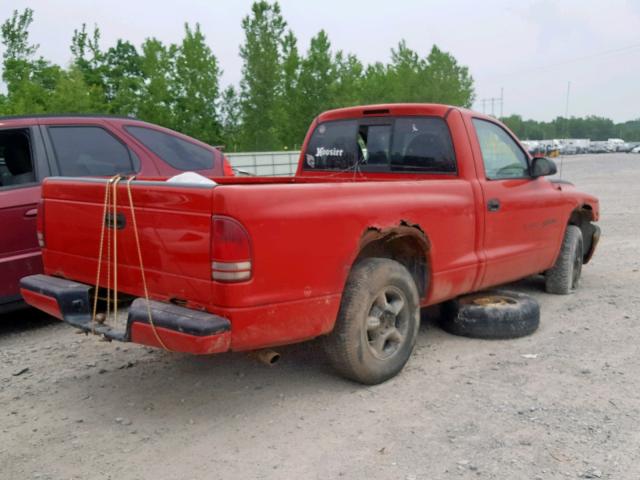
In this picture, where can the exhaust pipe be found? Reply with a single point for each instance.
(268, 357)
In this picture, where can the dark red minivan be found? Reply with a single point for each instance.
(32, 148)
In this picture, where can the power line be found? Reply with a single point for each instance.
(493, 101)
(604, 53)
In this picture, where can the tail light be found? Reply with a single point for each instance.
(40, 224)
(230, 251)
(226, 168)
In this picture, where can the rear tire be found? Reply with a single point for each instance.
(564, 276)
(377, 324)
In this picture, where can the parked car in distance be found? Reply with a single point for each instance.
(598, 147)
(393, 207)
(35, 147)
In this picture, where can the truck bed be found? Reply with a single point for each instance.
(174, 223)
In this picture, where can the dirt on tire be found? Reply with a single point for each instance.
(348, 347)
(561, 279)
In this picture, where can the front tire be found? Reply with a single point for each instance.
(377, 324)
(564, 276)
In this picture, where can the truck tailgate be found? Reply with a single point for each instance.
(174, 226)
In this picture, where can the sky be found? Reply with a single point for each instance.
(528, 49)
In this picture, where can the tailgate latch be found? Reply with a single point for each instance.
(120, 221)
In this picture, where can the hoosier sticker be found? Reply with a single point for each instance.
(329, 152)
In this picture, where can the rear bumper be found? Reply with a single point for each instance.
(180, 329)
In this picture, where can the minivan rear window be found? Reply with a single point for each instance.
(179, 153)
(383, 144)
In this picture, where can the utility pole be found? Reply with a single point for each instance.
(493, 100)
(566, 108)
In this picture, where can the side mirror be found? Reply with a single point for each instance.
(542, 167)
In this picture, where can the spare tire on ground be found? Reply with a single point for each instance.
(493, 314)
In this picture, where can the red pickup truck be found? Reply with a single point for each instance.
(393, 207)
(35, 147)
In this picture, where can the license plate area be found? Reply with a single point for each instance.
(110, 321)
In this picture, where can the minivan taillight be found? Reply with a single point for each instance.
(227, 168)
(230, 250)
(40, 224)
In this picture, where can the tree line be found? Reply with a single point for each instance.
(177, 85)
(592, 127)
(282, 88)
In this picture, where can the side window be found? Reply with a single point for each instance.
(16, 161)
(178, 153)
(89, 151)
(501, 155)
(422, 144)
(332, 146)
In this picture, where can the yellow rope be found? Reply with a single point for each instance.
(110, 205)
(109, 225)
(114, 218)
(100, 250)
(144, 280)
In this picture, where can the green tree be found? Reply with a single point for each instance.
(122, 77)
(195, 88)
(375, 84)
(30, 81)
(87, 56)
(115, 74)
(316, 80)
(290, 119)
(592, 127)
(230, 118)
(73, 95)
(18, 51)
(260, 94)
(448, 81)
(515, 124)
(156, 97)
(348, 74)
(406, 76)
(630, 130)
(438, 78)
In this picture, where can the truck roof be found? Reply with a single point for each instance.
(391, 109)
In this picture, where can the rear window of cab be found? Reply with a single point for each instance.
(382, 144)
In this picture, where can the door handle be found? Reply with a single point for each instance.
(31, 213)
(493, 205)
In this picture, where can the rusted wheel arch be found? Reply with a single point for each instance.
(405, 243)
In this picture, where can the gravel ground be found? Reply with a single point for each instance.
(563, 403)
